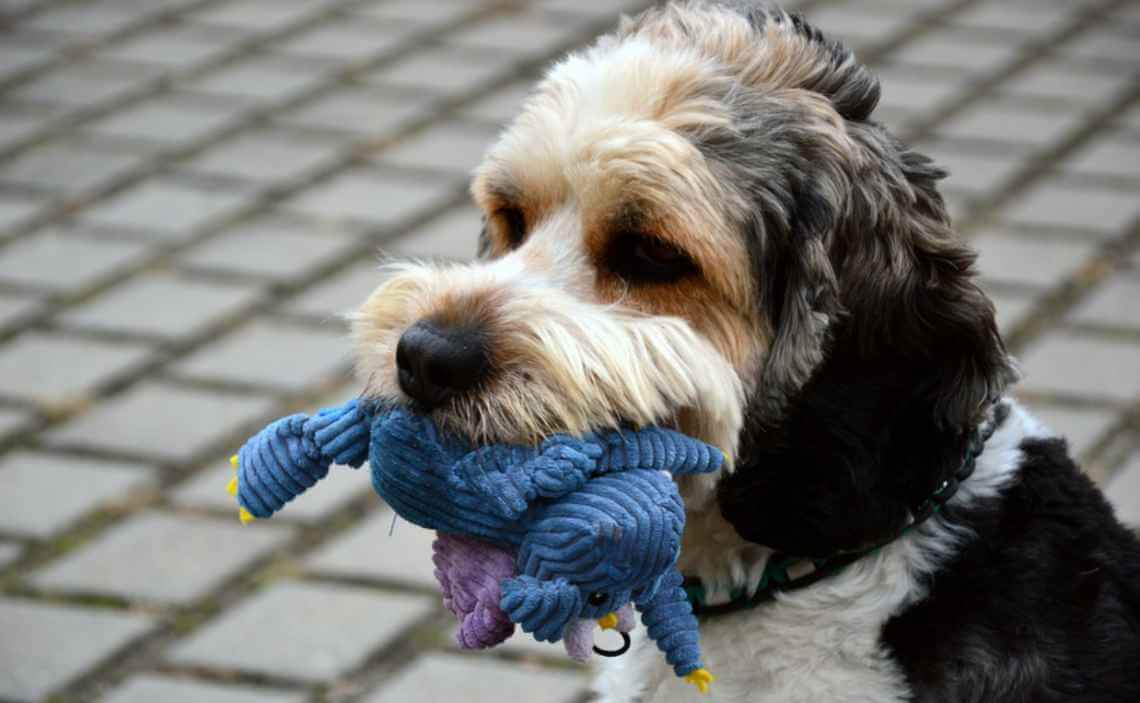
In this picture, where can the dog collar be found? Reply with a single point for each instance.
(785, 573)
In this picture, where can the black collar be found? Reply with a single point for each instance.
(789, 573)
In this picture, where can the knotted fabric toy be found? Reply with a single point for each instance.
(552, 538)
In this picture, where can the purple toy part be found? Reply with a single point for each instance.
(627, 618)
(578, 638)
(469, 572)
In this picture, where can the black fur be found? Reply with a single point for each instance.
(1042, 605)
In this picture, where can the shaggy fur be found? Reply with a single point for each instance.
(697, 222)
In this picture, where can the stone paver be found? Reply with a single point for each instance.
(163, 305)
(159, 420)
(384, 199)
(162, 210)
(183, 187)
(160, 557)
(9, 552)
(273, 249)
(283, 357)
(151, 689)
(55, 261)
(342, 625)
(76, 486)
(1063, 362)
(48, 654)
(378, 549)
(52, 369)
(436, 678)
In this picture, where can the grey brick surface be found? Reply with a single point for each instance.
(1067, 84)
(1014, 17)
(260, 157)
(1112, 157)
(377, 549)
(48, 654)
(15, 58)
(174, 47)
(341, 625)
(1063, 362)
(15, 211)
(344, 40)
(163, 305)
(14, 311)
(339, 295)
(147, 688)
(974, 172)
(163, 210)
(54, 261)
(1055, 205)
(1028, 261)
(451, 147)
(453, 236)
(442, 72)
(52, 369)
(909, 90)
(419, 14)
(284, 357)
(83, 85)
(1010, 309)
(1103, 46)
(278, 250)
(257, 79)
(16, 127)
(1116, 303)
(89, 19)
(162, 558)
(256, 15)
(9, 552)
(68, 167)
(365, 196)
(167, 120)
(1009, 125)
(76, 486)
(1124, 492)
(207, 490)
(958, 51)
(360, 112)
(523, 34)
(162, 421)
(440, 677)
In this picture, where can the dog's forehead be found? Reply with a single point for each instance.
(609, 118)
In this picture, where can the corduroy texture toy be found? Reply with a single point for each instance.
(551, 538)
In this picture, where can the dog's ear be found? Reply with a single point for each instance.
(801, 299)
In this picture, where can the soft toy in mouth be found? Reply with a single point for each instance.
(554, 538)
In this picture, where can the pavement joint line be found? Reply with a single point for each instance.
(81, 47)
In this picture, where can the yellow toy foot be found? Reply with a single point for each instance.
(701, 678)
(234, 461)
(232, 486)
(247, 517)
(609, 622)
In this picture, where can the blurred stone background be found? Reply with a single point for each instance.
(191, 191)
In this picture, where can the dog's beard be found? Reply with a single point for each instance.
(560, 364)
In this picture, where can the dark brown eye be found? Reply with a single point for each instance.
(641, 258)
(509, 225)
(597, 598)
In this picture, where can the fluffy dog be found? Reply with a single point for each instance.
(697, 222)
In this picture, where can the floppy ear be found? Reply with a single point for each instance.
(542, 608)
(801, 297)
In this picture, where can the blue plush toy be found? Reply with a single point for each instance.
(551, 538)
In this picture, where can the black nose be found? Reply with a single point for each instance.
(436, 362)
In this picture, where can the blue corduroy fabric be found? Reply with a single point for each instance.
(597, 520)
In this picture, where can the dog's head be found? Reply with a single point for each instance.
(695, 222)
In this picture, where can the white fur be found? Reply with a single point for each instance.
(820, 643)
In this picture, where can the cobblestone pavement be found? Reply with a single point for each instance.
(191, 190)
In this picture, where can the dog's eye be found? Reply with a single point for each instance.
(646, 259)
(509, 225)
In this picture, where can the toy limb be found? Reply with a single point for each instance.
(669, 621)
(293, 453)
